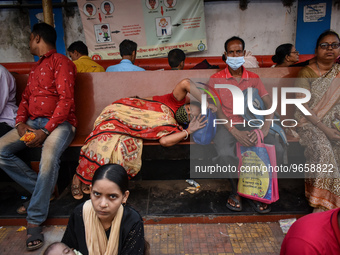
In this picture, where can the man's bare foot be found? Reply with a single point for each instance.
(234, 203)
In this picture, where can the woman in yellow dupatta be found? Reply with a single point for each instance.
(318, 135)
(105, 225)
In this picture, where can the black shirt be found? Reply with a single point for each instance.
(131, 237)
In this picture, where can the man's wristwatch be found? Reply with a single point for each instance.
(45, 131)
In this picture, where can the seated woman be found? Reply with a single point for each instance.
(317, 133)
(285, 55)
(105, 224)
(121, 127)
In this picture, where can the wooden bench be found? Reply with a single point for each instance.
(94, 91)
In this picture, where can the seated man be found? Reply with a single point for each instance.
(227, 135)
(314, 234)
(47, 113)
(79, 54)
(8, 107)
(128, 52)
(121, 127)
(176, 59)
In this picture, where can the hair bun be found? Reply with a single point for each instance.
(274, 58)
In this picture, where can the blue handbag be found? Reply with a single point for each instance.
(206, 134)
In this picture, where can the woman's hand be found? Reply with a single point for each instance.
(197, 123)
(331, 133)
(212, 107)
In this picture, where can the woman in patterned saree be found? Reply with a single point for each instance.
(119, 131)
(318, 134)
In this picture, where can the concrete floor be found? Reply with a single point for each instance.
(174, 239)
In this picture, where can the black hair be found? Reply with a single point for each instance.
(126, 47)
(324, 34)
(175, 57)
(107, 3)
(113, 172)
(78, 46)
(281, 52)
(234, 38)
(89, 5)
(46, 32)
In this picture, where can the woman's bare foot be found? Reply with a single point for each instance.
(85, 188)
(76, 188)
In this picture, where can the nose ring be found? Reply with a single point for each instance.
(106, 205)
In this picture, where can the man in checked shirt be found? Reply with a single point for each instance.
(47, 109)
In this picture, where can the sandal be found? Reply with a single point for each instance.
(75, 188)
(238, 205)
(36, 235)
(85, 188)
(257, 206)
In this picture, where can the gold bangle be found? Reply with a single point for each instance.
(16, 125)
(186, 133)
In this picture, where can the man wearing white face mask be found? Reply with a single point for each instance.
(228, 134)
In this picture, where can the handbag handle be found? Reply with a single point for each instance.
(260, 137)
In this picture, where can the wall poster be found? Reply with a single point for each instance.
(157, 26)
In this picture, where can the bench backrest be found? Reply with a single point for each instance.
(156, 63)
(94, 91)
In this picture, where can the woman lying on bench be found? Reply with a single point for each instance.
(119, 131)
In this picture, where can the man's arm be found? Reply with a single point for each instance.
(267, 100)
(65, 72)
(65, 80)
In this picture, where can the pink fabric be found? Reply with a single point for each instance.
(270, 195)
(316, 233)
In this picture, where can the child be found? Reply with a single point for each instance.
(59, 248)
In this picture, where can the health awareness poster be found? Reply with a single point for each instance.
(157, 26)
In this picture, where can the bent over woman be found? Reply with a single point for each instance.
(119, 131)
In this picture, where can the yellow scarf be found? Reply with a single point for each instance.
(96, 240)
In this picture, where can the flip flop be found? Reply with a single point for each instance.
(256, 205)
(237, 202)
(36, 235)
(76, 189)
(23, 208)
